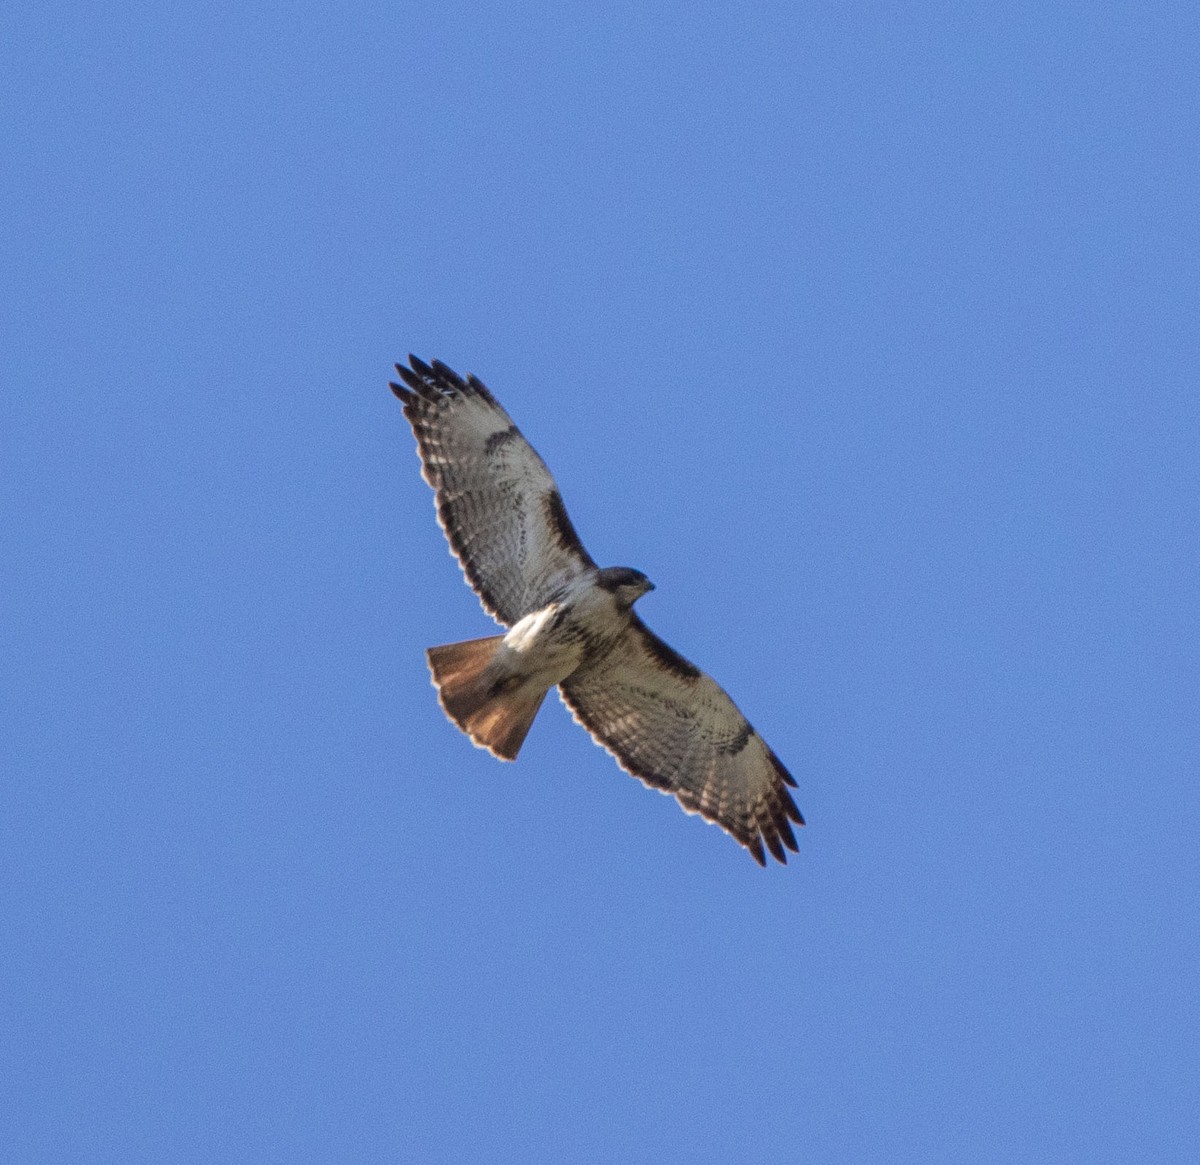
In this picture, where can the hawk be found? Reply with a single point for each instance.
(572, 623)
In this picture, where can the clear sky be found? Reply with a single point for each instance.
(869, 332)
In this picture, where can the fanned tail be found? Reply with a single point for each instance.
(494, 711)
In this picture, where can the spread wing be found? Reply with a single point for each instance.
(675, 729)
(501, 511)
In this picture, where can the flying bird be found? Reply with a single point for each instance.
(572, 623)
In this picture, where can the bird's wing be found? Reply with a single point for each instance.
(676, 729)
(502, 513)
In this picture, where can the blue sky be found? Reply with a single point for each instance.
(868, 332)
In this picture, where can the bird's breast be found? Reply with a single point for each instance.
(555, 640)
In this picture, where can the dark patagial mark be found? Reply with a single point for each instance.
(500, 439)
(666, 656)
(556, 515)
(613, 578)
(739, 742)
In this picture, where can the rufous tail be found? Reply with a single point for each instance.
(494, 711)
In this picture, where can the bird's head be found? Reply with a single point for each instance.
(626, 584)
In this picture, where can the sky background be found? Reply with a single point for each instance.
(869, 332)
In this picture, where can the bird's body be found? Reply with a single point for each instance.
(506, 676)
(572, 624)
(588, 615)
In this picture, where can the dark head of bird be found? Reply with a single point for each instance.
(626, 584)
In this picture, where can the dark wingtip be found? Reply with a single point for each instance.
(421, 380)
(410, 378)
(402, 394)
(447, 373)
(787, 836)
(756, 850)
(437, 381)
(790, 809)
(480, 389)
